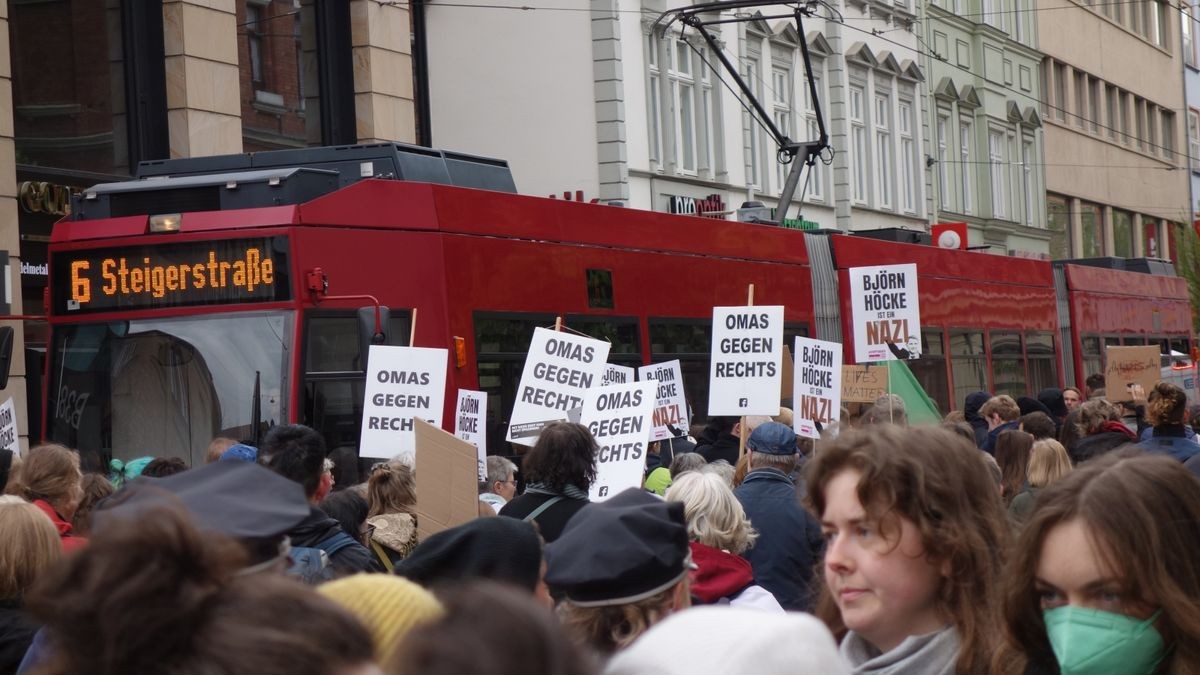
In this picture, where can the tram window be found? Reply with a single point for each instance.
(507, 334)
(1112, 341)
(1008, 366)
(1134, 341)
(968, 364)
(1093, 356)
(930, 369)
(331, 342)
(334, 408)
(621, 333)
(1043, 361)
(1179, 345)
(600, 289)
(690, 341)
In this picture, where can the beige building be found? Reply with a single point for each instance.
(1116, 146)
(90, 87)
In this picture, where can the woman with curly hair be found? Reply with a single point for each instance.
(1166, 411)
(559, 471)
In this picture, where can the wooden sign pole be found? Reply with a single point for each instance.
(412, 330)
(558, 324)
(742, 424)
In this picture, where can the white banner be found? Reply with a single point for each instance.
(817, 386)
(9, 434)
(559, 369)
(619, 416)
(402, 383)
(469, 424)
(670, 405)
(747, 350)
(886, 313)
(614, 374)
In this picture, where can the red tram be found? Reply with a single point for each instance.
(219, 295)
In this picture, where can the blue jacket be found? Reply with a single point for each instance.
(1179, 447)
(989, 445)
(789, 543)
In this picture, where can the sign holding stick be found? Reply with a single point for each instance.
(402, 383)
(614, 374)
(469, 424)
(886, 313)
(620, 418)
(747, 346)
(559, 369)
(818, 386)
(1128, 366)
(670, 405)
(864, 384)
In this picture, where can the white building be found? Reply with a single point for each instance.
(581, 96)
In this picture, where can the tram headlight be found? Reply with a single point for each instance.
(166, 222)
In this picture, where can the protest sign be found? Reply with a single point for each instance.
(469, 424)
(886, 313)
(1128, 366)
(818, 386)
(9, 435)
(670, 405)
(559, 369)
(402, 383)
(864, 384)
(614, 374)
(447, 489)
(747, 347)
(620, 417)
(786, 382)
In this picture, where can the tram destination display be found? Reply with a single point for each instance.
(182, 274)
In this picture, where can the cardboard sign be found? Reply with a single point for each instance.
(864, 384)
(886, 313)
(469, 424)
(817, 399)
(670, 404)
(447, 489)
(614, 374)
(620, 417)
(559, 369)
(747, 348)
(1131, 365)
(9, 434)
(402, 383)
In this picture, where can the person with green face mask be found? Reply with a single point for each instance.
(1104, 579)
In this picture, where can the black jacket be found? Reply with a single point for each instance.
(790, 544)
(551, 521)
(971, 408)
(16, 632)
(1090, 447)
(724, 447)
(318, 527)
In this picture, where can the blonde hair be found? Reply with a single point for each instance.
(714, 515)
(31, 546)
(1048, 461)
(51, 473)
(1002, 405)
(392, 488)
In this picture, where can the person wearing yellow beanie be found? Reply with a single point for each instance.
(389, 607)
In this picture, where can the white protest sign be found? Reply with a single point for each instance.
(559, 369)
(619, 417)
(402, 383)
(817, 386)
(747, 348)
(886, 313)
(469, 424)
(8, 428)
(670, 406)
(614, 374)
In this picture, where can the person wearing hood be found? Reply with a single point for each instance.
(1028, 405)
(298, 453)
(719, 532)
(391, 515)
(971, 414)
(1100, 431)
(1002, 413)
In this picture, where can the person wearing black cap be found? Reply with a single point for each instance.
(620, 566)
(789, 543)
(498, 549)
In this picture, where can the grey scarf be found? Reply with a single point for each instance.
(569, 491)
(932, 654)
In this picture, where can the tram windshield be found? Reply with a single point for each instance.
(166, 387)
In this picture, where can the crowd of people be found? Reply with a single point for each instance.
(1055, 534)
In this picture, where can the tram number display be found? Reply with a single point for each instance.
(171, 275)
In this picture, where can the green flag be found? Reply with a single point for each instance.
(920, 408)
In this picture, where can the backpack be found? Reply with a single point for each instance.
(311, 564)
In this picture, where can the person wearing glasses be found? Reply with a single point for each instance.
(501, 483)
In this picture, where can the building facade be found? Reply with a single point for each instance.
(1116, 153)
(89, 88)
(1189, 15)
(985, 144)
